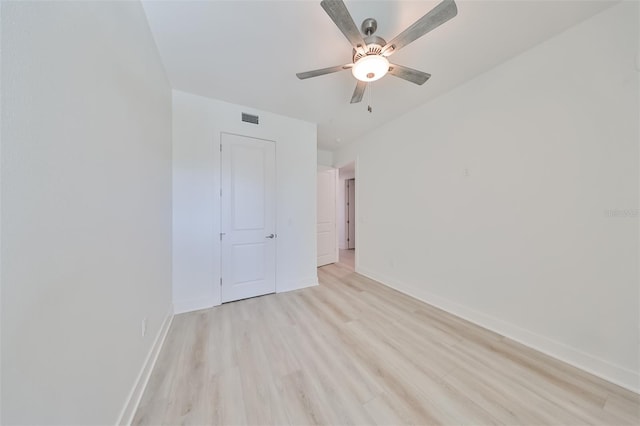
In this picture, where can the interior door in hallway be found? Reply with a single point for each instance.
(248, 217)
(327, 236)
(351, 213)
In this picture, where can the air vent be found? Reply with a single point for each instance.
(248, 118)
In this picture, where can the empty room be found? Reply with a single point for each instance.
(320, 212)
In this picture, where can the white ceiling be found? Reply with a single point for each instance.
(248, 52)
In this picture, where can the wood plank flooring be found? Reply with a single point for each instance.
(354, 352)
(348, 258)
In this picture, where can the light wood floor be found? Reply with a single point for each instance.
(348, 258)
(352, 351)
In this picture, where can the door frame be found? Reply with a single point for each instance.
(356, 175)
(349, 225)
(336, 248)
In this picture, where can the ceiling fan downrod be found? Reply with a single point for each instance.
(369, 26)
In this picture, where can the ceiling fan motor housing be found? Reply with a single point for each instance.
(374, 47)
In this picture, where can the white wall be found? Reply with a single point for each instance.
(495, 200)
(343, 176)
(325, 158)
(86, 208)
(197, 124)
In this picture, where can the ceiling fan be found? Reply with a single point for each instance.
(370, 52)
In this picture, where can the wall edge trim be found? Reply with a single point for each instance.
(140, 384)
(184, 306)
(299, 284)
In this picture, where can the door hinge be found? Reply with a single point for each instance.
(220, 281)
(221, 192)
(220, 147)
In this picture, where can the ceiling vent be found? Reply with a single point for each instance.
(248, 118)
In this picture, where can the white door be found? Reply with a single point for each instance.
(351, 213)
(248, 220)
(327, 237)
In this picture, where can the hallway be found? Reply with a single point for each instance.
(348, 258)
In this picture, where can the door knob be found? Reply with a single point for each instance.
(271, 236)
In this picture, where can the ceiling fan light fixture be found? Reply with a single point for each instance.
(370, 68)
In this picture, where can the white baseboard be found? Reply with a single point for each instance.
(621, 376)
(291, 285)
(183, 306)
(133, 400)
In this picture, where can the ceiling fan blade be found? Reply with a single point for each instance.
(359, 92)
(414, 76)
(433, 19)
(323, 71)
(340, 16)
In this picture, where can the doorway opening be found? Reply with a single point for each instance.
(327, 238)
(346, 206)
